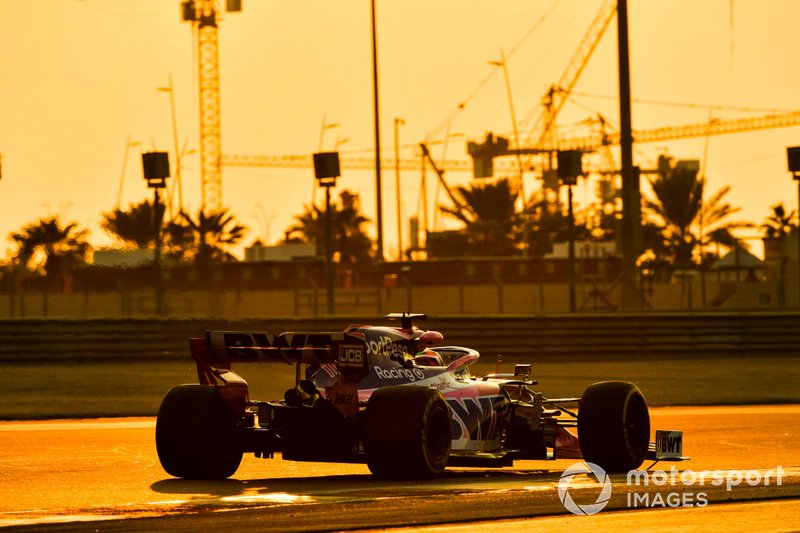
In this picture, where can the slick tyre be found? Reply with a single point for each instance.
(196, 435)
(407, 432)
(614, 426)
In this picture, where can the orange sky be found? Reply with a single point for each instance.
(80, 76)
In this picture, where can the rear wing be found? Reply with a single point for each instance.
(219, 349)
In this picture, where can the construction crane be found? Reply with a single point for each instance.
(349, 163)
(426, 153)
(589, 143)
(672, 133)
(204, 17)
(592, 143)
(542, 131)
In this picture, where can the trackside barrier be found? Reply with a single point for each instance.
(596, 335)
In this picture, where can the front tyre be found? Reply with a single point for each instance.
(407, 432)
(614, 426)
(196, 435)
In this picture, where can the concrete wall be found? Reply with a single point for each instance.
(444, 299)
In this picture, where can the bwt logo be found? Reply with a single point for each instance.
(670, 444)
(351, 355)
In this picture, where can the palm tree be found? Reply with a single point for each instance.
(134, 227)
(350, 243)
(489, 216)
(205, 238)
(51, 247)
(46, 245)
(682, 222)
(779, 223)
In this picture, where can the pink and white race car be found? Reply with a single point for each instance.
(395, 399)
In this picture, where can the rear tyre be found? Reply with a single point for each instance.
(614, 426)
(407, 432)
(196, 435)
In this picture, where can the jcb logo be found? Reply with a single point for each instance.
(350, 355)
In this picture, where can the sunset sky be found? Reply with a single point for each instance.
(81, 76)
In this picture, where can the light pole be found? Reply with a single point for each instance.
(156, 171)
(569, 168)
(178, 182)
(630, 230)
(128, 145)
(502, 63)
(322, 130)
(325, 127)
(397, 123)
(376, 107)
(326, 170)
(793, 159)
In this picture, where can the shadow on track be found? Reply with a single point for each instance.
(451, 480)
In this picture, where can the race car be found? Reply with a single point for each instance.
(395, 398)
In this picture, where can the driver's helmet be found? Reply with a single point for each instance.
(428, 357)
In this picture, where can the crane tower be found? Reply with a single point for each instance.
(204, 17)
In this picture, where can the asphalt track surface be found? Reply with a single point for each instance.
(104, 475)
